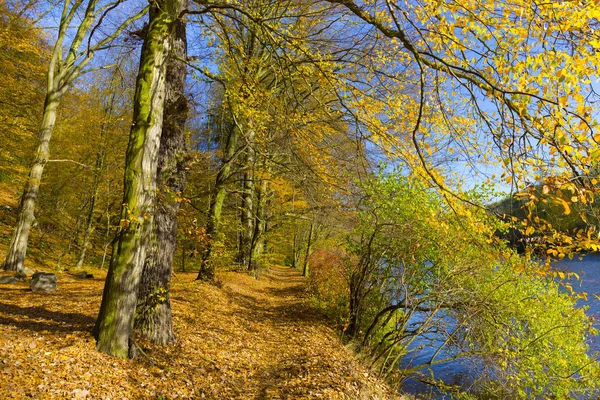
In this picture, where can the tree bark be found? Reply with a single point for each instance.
(114, 326)
(247, 205)
(17, 248)
(207, 269)
(295, 248)
(308, 248)
(154, 304)
(260, 226)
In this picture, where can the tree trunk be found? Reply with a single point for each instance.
(89, 221)
(114, 326)
(207, 269)
(154, 304)
(295, 248)
(247, 204)
(308, 248)
(260, 226)
(354, 313)
(17, 248)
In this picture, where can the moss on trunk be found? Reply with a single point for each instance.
(114, 326)
(153, 313)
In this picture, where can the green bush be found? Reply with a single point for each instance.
(425, 270)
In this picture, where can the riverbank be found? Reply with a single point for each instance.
(250, 339)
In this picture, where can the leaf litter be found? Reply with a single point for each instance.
(248, 339)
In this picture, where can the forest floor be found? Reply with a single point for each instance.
(247, 339)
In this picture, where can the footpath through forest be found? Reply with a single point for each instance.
(248, 339)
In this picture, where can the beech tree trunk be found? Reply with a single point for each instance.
(154, 304)
(309, 244)
(114, 326)
(17, 248)
(207, 269)
(260, 226)
(295, 249)
(247, 205)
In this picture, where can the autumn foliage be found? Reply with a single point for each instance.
(388, 151)
(328, 283)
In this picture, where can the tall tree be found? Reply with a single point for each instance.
(114, 326)
(229, 134)
(62, 72)
(153, 313)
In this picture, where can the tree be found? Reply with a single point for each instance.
(277, 105)
(110, 113)
(509, 85)
(416, 276)
(228, 133)
(114, 326)
(153, 312)
(62, 72)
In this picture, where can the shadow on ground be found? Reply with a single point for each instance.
(40, 319)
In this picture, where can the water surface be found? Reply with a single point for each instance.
(461, 372)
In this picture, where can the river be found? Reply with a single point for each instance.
(588, 268)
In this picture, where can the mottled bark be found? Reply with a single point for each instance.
(114, 326)
(17, 248)
(207, 269)
(153, 313)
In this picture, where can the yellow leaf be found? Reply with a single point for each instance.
(566, 206)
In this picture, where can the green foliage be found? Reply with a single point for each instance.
(426, 271)
(159, 295)
(526, 329)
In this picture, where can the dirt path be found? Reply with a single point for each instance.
(249, 339)
(282, 347)
(299, 354)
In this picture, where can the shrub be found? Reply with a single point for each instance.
(328, 284)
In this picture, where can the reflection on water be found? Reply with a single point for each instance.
(589, 270)
(461, 372)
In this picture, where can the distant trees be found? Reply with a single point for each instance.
(275, 113)
(24, 58)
